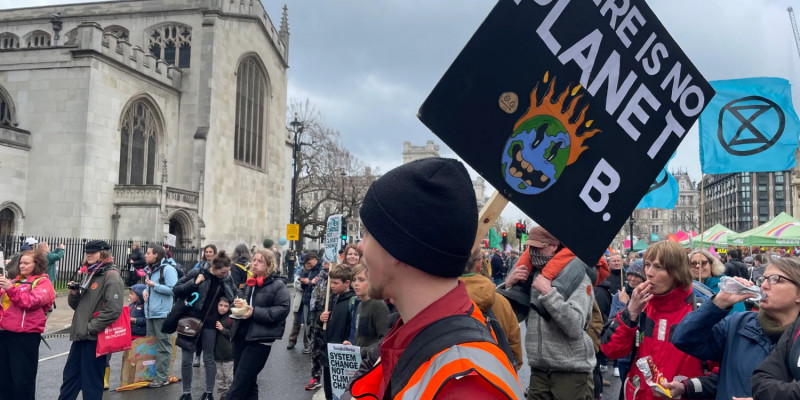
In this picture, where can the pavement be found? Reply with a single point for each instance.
(61, 318)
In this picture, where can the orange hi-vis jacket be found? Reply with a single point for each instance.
(450, 348)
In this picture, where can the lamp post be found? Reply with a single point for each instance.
(297, 128)
(631, 220)
(344, 174)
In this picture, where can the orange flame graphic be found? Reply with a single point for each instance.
(553, 107)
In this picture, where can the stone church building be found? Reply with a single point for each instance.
(136, 118)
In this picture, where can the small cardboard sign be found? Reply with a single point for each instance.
(569, 108)
(333, 238)
(343, 361)
(139, 363)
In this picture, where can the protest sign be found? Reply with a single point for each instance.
(343, 361)
(139, 363)
(570, 109)
(333, 238)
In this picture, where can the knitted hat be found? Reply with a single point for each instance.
(424, 214)
(637, 268)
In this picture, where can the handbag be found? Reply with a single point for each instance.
(192, 326)
(140, 273)
(189, 326)
(117, 336)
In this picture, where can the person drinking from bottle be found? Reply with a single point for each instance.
(739, 341)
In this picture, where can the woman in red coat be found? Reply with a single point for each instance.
(654, 309)
(25, 301)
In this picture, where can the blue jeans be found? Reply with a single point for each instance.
(83, 372)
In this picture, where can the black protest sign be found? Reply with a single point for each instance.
(570, 108)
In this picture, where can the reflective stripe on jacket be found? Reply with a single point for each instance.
(484, 359)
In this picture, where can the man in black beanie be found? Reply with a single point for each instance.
(420, 222)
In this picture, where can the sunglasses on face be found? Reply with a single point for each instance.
(773, 279)
(696, 263)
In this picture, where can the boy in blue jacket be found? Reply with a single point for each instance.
(138, 321)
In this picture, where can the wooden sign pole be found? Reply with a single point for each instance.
(488, 215)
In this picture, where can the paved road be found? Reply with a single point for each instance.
(284, 376)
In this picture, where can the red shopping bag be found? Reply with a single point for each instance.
(117, 336)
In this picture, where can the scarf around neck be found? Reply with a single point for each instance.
(770, 326)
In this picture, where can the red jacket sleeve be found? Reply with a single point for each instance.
(42, 296)
(618, 339)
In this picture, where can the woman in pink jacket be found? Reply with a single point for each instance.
(25, 301)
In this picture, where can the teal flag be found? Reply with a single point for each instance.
(494, 240)
(654, 237)
(749, 126)
(663, 193)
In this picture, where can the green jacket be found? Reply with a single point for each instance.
(104, 295)
(54, 256)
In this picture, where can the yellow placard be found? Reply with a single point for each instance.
(292, 232)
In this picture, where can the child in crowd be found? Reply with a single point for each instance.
(369, 317)
(223, 350)
(317, 335)
(138, 322)
(337, 319)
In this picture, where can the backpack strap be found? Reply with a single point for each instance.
(438, 336)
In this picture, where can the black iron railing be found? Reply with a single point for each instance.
(68, 266)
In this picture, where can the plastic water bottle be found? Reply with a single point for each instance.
(730, 285)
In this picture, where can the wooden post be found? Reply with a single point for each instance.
(702, 210)
(327, 296)
(488, 215)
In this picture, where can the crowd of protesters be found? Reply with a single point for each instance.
(669, 321)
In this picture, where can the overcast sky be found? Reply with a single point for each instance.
(368, 65)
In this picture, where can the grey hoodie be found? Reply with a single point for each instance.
(561, 344)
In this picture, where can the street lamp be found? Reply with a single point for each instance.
(344, 174)
(297, 129)
(631, 220)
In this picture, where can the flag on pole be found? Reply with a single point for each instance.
(663, 193)
(749, 126)
(524, 238)
(494, 240)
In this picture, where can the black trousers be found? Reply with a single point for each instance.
(83, 372)
(326, 382)
(249, 359)
(19, 362)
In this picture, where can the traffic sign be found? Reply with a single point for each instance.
(292, 232)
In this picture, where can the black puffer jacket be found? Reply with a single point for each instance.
(777, 377)
(271, 303)
(183, 292)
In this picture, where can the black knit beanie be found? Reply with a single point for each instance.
(424, 214)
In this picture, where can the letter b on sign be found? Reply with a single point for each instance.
(603, 181)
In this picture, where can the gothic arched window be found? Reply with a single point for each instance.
(9, 41)
(137, 152)
(171, 43)
(251, 108)
(118, 31)
(5, 109)
(38, 39)
(6, 222)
